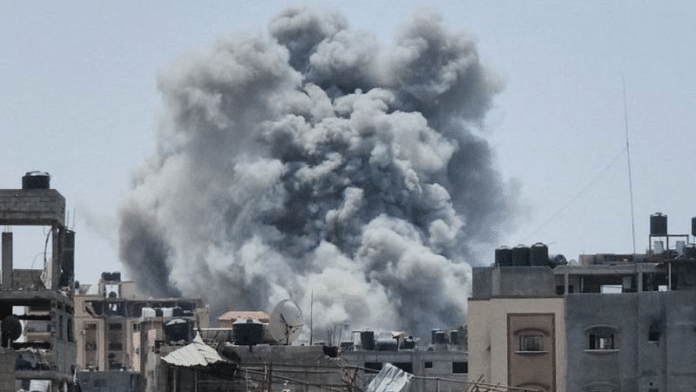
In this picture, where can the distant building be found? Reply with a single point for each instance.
(36, 305)
(122, 335)
(612, 323)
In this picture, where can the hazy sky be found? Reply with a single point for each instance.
(79, 100)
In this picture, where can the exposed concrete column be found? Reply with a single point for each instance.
(7, 261)
(57, 239)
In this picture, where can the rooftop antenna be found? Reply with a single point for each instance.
(628, 157)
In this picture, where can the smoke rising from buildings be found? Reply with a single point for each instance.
(318, 160)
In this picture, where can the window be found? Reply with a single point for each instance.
(460, 367)
(405, 366)
(601, 341)
(602, 337)
(373, 367)
(530, 342)
(428, 365)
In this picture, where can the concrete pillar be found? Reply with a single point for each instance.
(6, 261)
(57, 255)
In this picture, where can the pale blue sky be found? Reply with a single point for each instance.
(79, 100)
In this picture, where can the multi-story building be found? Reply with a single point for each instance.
(121, 334)
(36, 304)
(611, 323)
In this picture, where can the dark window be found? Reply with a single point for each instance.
(601, 341)
(115, 346)
(560, 288)
(373, 367)
(428, 365)
(115, 326)
(405, 366)
(530, 343)
(460, 367)
(653, 336)
(71, 334)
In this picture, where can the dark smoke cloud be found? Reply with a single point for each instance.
(316, 160)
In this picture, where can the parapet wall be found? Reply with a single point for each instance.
(31, 207)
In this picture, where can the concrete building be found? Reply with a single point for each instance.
(36, 304)
(121, 335)
(612, 323)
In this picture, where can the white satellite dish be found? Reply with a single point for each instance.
(286, 322)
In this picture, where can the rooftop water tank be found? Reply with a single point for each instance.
(539, 254)
(438, 336)
(367, 340)
(658, 225)
(503, 257)
(693, 226)
(690, 251)
(386, 344)
(36, 180)
(247, 332)
(520, 256)
(176, 330)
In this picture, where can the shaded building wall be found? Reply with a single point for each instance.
(7, 370)
(654, 341)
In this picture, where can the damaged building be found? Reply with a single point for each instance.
(612, 322)
(36, 304)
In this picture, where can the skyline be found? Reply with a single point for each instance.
(81, 102)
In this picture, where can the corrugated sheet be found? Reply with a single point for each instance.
(390, 379)
(195, 354)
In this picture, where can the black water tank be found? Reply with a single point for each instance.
(690, 251)
(539, 254)
(36, 180)
(454, 337)
(693, 226)
(520, 256)
(367, 340)
(247, 332)
(176, 330)
(658, 225)
(410, 343)
(503, 257)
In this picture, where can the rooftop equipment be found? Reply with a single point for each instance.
(36, 180)
(658, 225)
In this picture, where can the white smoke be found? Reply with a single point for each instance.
(316, 160)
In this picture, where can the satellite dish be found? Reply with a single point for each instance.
(286, 322)
(11, 328)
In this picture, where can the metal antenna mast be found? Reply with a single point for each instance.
(628, 157)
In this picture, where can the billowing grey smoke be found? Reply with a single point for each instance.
(318, 161)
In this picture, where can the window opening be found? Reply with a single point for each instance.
(530, 343)
(601, 341)
(460, 367)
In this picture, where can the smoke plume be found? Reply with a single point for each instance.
(317, 161)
